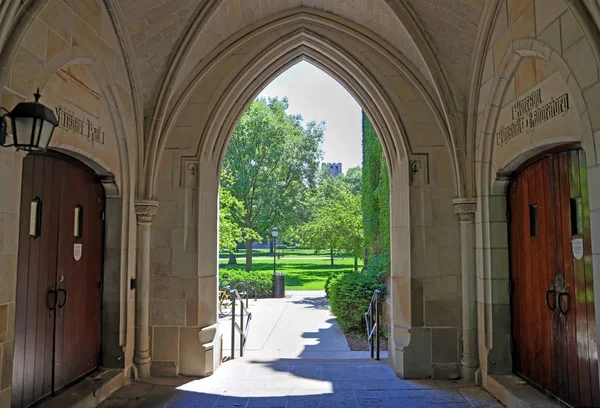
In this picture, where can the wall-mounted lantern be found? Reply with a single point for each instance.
(32, 125)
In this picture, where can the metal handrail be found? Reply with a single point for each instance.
(241, 329)
(255, 287)
(373, 329)
(244, 287)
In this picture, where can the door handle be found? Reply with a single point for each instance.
(51, 304)
(61, 305)
(560, 295)
(548, 292)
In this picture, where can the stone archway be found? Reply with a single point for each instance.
(408, 120)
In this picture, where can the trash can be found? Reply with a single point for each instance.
(278, 285)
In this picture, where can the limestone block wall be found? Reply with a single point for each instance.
(436, 313)
(10, 183)
(534, 45)
(183, 271)
(57, 34)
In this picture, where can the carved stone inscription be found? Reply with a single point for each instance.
(530, 112)
(69, 121)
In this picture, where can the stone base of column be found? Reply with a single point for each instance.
(143, 362)
(470, 372)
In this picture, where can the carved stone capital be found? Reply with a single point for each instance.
(145, 210)
(465, 208)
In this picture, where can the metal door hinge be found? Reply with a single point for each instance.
(103, 215)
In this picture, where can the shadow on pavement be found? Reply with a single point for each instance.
(319, 303)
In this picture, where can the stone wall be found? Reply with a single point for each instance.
(10, 183)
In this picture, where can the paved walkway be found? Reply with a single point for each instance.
(294, 384)
(297, 326)
(297, 356)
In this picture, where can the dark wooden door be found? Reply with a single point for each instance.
(58, 313)
(553, 315)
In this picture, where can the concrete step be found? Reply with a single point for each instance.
(308, 361)
(89, 392)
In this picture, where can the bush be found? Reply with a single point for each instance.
(330, 277)
(264, 281)
(349, 297)
(379, 267)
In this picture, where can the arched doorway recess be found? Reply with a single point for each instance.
(567, 123)
(408, 120)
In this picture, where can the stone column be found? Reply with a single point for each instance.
(144, 210)
(465, 209)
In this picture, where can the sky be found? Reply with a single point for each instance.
(317, 96)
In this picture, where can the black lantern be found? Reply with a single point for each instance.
(274, 232)
(32, 125)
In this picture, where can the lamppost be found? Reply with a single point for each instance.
(32, 125)
(274, 233)
(278, 278)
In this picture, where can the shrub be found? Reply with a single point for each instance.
(264, 281)
(349, 297)
(379, 266)
(330, 277)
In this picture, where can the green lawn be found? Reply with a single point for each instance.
(303, 269)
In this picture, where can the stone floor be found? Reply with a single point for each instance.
(297, 356)
(298, 383)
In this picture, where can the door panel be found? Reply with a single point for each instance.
(51, 349)
(34, 326)
(78, 339)
(553, 315)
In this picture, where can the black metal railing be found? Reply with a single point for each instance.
(372, 318)
(255, 284)
(241, 329)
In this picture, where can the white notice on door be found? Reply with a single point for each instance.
(77, 250)
(577, 248)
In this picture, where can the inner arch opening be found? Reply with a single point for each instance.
(293, 167)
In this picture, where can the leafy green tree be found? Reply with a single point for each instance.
(336, 220)
(353, 177)
(273, 160)
(230, 208)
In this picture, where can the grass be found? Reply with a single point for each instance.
(302, 268)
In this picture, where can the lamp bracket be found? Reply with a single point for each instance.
(3, 127)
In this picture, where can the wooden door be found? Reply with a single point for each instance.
(78, 317)
(57, 325)
(553, 316)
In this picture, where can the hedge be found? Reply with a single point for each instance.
(264, 280)
(349, 297)
(330, 277)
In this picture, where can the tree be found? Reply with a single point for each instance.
(230, 208)
(336, 221)
(273, 160)
(230, 233)
(353, 177)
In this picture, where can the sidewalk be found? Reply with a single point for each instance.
(297, 326)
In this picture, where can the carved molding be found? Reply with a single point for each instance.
(145, 210)
(465, 208)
